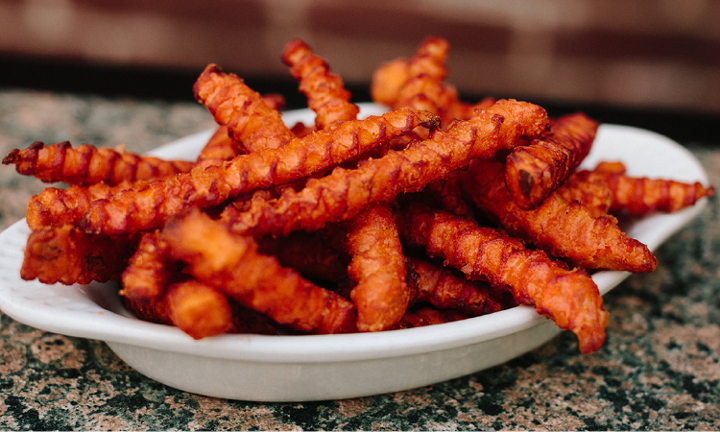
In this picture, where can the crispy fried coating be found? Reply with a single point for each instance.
(381, 295)
(232, 264)
(443, 289)
(87, 164)
(307, 254)
(249, 119)
(344, 193)
(562, 228)
(150, 206)
(325, 91)
(198, 309)
(149, 269)
(640, 196)
(219, 148)
(569, 297)
(448, 192)
(69, 256)
(57, 207)
(533, 172)
(589, 189)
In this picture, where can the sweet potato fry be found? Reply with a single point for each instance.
(427, 315)
(327, 96)
(561, 228)
(198, 309)
(344, 193)
(589, 189)
(443, 289)
(87, 165)
(381, 295)
(69, 256)
(232, 264)
(150, 206)
(307, 254)
(219, 148)
(249, 119)
(149, 269)
(640, 196)
(533, 172)
(58, 207)
(569, 297)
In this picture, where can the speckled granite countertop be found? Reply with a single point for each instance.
(658, 370)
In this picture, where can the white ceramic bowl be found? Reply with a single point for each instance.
(319, 367)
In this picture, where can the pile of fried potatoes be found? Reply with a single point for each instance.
(436, 211)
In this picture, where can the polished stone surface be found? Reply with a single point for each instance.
(658, 370)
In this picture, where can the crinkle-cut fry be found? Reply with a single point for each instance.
(640, 196)
(589, 189)
(534, 171)
(344, 193)
(443, 289)
(561, 228)
(325, 91)
(198, 309)
(381, 295)
(150, 206)
(448, 192)
(274, 101)
(219, 148)
(569, 297)
(427, 315)
(232, 264)
(57, 207)
(87, 164)
(69, 256)
(149, 269)
(249, 119)
(307, 254)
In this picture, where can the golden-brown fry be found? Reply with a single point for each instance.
(589, 189)
(58, 207)
(327, 96)
(561, 228)
(533, 172)
(570, 298)
(640, 196)
(69, 256)
(249, 119)
(381, 295)
(443, 289)
(149, 207)
(198, 309)
(149, 269)
(87, 165)
(232, 264)
(344, 193)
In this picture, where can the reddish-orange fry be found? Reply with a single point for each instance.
(381, 295)
(387, 80)
(198, 309)
(149, 269)
(533, 172)
(57, 207)
(69, 256)
(327, 96)
(570, 298)
(344, 193)
(589, 189)
(426, 315)
(150, 206)
(640, 196)
(232, 264)
(443, 289)
(562, 228)
(249, 119)
(87, 165)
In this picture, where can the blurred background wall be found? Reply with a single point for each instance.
(646, 53)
